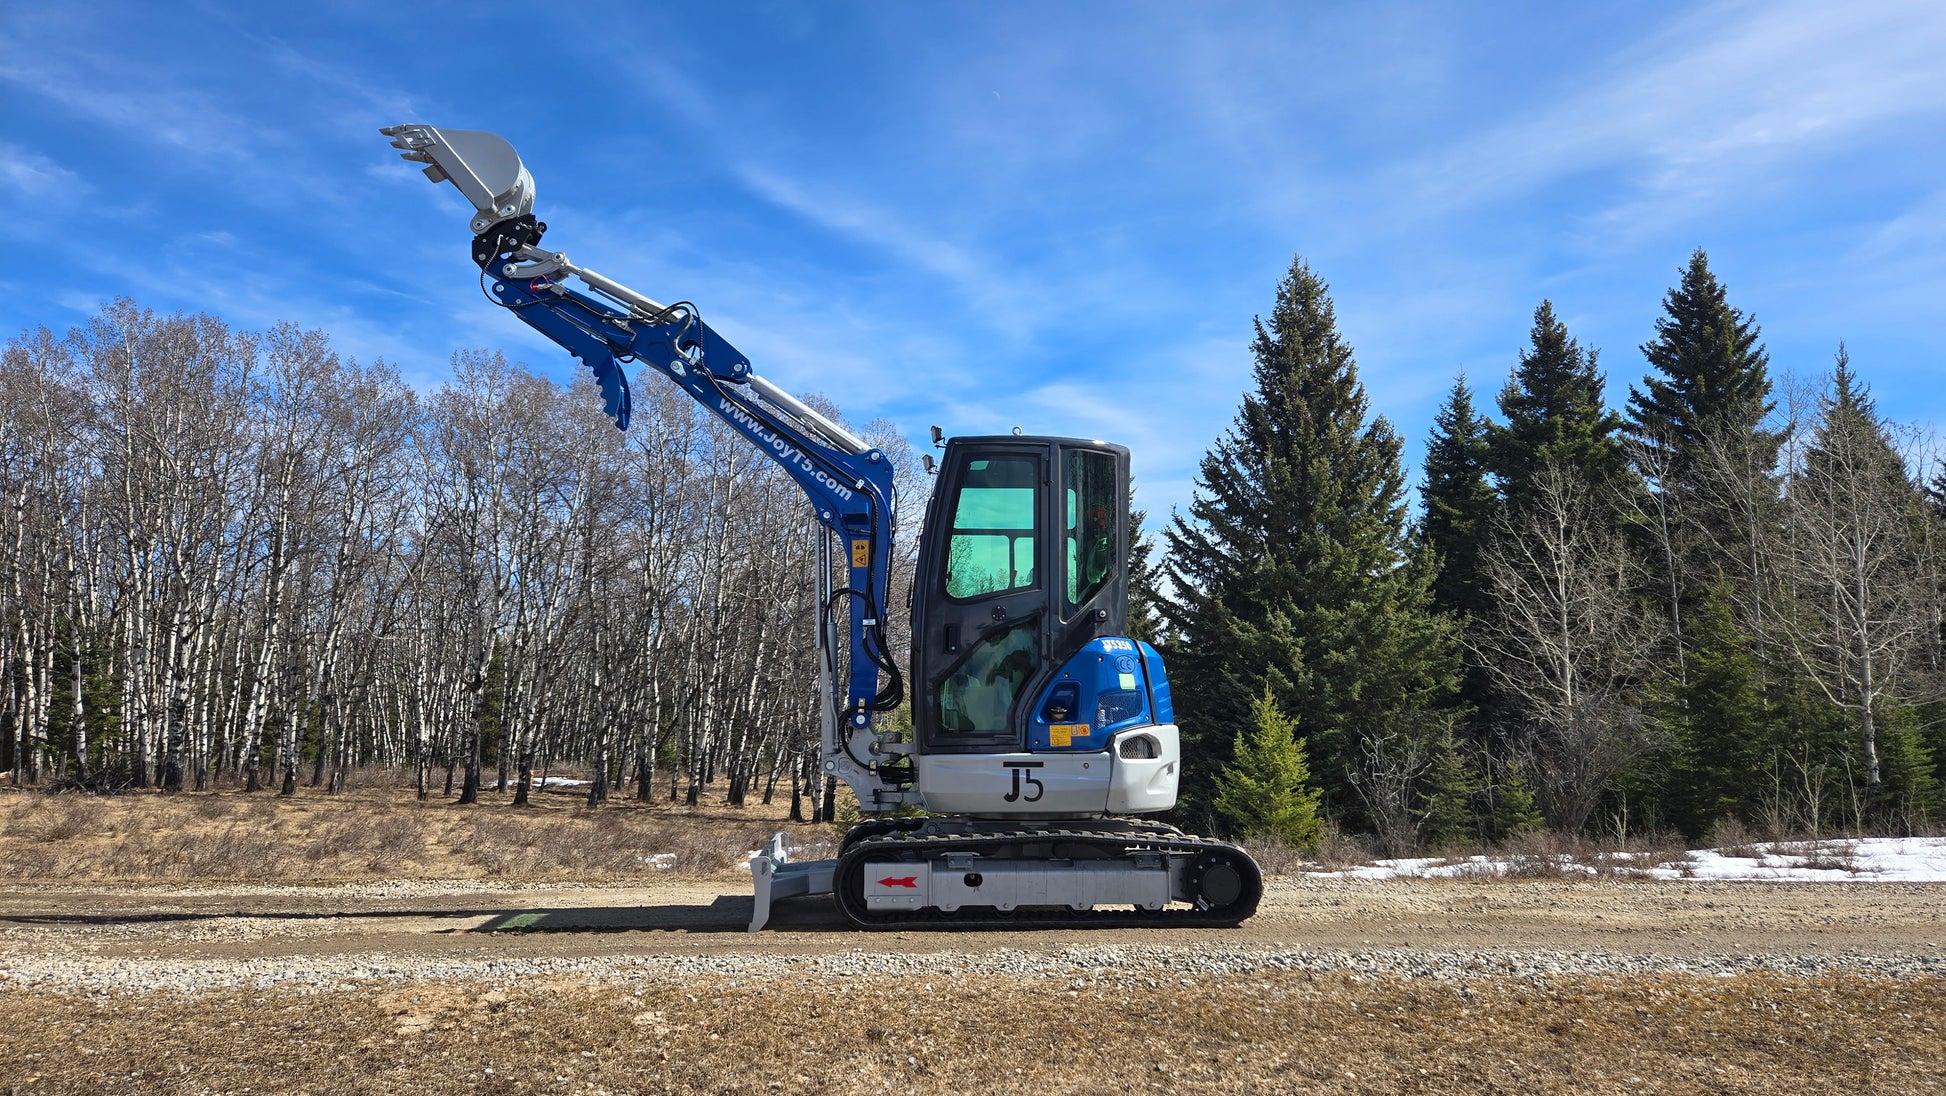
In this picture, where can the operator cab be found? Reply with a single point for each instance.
(1023, 564)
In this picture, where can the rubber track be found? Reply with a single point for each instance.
(849, 889)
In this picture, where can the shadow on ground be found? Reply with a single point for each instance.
(728, 913)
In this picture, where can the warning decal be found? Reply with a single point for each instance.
(1064, 734)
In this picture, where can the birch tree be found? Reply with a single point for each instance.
(1566, 642)
(1861, 607)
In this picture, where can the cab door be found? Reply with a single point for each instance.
(980, 610)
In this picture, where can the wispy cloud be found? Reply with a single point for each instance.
(877, 227)
(1708, 104)
(154, 111)
(32, 175)
(1920, 227)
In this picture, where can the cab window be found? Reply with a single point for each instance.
(979, 697)
(996, 519)
(1091, 508)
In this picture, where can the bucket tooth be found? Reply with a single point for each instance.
(482, 165)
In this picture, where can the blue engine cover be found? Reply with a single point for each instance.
(1110, 685)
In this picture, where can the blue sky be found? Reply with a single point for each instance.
(1060, 217)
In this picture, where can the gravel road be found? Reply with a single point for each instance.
(1457, 987)
(195, 939)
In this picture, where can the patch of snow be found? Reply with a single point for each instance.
(1865, 859)
(558, 782)
(1858, 860)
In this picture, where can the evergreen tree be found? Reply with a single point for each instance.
(1459, 501)
(1555, 416)
(1715, 387)
(1294, 568)
(1451, 787)
(1511, 808)
(1266, 791)
(1144, 593)
(1720, 720)
(1701, 443)
(1911, 797)
(1459, 505)
(1933, 712)
(1559, 440)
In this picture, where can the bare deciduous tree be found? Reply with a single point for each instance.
(1861, 607)
(1567, 642)
(227, 550)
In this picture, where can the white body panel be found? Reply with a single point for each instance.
(1040, 785)
(1006, 884)
(1050, 785)
(1143, 785)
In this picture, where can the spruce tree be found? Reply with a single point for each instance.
(1720, 721)
(1458, 501)
(1294, 568)
(1714, 388)
(1933, 712)
(1144, 594)
(1700, 441)
(1265, 791)
(1555, 416)
(1511, 808)
(1451, 786)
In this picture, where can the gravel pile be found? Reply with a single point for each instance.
(1108, 965)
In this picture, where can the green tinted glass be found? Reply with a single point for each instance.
(994, 527)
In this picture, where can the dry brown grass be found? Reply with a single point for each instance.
(1537, 854)
(1730, 837)
(1528, 855)
(1823, 855)
(375, 831)
(1278, 857)
(1266, 1033)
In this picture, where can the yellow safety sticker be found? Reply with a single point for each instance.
(1064, 734)
(861, 553)
(1128, 681)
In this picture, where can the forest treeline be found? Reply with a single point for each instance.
(240, 558)
(1720, 603)
(237, 556)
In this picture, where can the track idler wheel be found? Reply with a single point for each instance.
(1225, 883)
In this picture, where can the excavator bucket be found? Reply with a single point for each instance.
(483, 166)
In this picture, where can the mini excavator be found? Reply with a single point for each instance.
(1039, 734)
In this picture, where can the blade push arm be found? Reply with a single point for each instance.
(849, 483)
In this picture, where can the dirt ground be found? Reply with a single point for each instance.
(646, 983)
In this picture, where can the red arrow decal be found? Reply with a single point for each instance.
(909, 881)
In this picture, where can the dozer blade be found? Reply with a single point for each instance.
(483, 166)
(773, 874)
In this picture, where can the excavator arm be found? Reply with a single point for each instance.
(848, 481)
